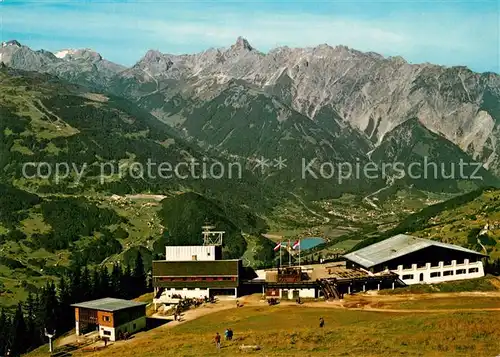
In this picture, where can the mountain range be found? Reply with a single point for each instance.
(334, 104)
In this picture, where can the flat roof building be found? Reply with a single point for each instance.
(195, 279)
(111, 317)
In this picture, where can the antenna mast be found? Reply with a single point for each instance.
(211, 237)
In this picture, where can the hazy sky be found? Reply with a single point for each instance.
(442, 32)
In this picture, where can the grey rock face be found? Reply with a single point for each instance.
(81, 66)
(368, 92)
(11, 43)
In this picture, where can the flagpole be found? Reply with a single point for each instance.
(280, 255)
(289, 253)
(299, 252)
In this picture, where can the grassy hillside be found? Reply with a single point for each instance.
(42, 237)
(110, 145)
(457, 221)
(487, 283)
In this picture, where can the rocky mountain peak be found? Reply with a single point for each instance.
(242, 44)
(154, 56)
(88, 54)
(11, 43)
(155, 62)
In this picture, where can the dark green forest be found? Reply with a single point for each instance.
(185, 214)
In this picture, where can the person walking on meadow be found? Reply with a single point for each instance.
(321, 322)
(217, 340)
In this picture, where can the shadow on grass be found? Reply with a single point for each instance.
(152, 323)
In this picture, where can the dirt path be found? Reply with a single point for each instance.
(198, 312)
(146, 197)
(496, 282)
(426, 296)
(369, 307)
(375, 303)
(272, 236)
(356, 303)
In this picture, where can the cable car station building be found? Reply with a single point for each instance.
(196, 271)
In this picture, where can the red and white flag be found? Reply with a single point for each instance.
(278, 246)
(296, 245)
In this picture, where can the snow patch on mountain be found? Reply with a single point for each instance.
(11, 43)
(64, 53)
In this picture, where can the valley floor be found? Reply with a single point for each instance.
(442, 324)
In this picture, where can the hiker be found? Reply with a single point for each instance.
(321, 322)
(226, 334)
(230, 334)
(217, 340)
(237, 303)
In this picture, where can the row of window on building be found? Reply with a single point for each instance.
(433, 264)
(437, 274)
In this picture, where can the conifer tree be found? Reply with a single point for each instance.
(32, 327)
(75, 286)
(18, 333)
(5, 332)
(128, 283)
(65, 311)
(49, 307)
(104, 283)
(96, 284)
(139, 276)
(85, 285)
(115, 281)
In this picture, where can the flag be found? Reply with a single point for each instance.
(296, 245)
(278, 246)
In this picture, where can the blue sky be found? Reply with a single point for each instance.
(442, 32)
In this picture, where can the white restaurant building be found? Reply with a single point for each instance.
(418, 260)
